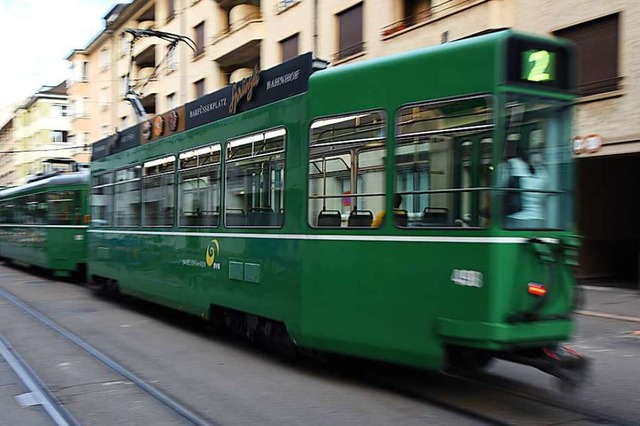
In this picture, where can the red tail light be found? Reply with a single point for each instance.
(87, 219)
(537, 289)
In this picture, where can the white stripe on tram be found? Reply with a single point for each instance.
(350, 237)
(46, 226)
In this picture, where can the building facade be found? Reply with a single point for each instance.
(232, 37)
(40, 129)
(8, 172)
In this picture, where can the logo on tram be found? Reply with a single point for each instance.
(213, 251)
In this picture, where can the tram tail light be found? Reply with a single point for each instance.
(537, 289)
(87, 219)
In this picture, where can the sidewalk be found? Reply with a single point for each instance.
(609, 302)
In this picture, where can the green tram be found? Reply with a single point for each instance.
(261, 206)
(44, 222)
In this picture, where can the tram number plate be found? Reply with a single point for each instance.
(466, 278)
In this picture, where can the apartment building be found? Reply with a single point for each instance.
(8, 172)
(232, 37)
(40, 129)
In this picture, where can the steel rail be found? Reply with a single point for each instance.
(592, 415)
(54, 408)
(174, 405)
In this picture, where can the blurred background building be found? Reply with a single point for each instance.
(234, 36)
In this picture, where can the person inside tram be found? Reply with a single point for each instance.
(379, 218)
(524, 169)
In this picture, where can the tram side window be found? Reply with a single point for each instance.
(347, 169)
(5, 213)
(127, 197)
(102, 199)
(34, 209)
(9, 211)
(199, 187)
(443, 162)
(254, 194)
(64, 208)
(157, 192)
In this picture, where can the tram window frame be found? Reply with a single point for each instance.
(203, 202)
(158, 212)
(457, 193)
(257, 209)
(103, 182)
(324, 203)
(70, 213)
(117, 185)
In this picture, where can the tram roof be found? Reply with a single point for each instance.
(61, 179)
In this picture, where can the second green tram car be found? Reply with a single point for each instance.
(44, 223)
(416, 209)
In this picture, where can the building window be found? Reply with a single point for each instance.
(198, 88)
(102, 99)
(124, 86)
(172, 59)
(598, 53)
(171, 9)
(171, 101)
(124, 45)
(350, 39)
(289, 47)
(59, 136)
(285, 4)
(415, 11)
(123, 122)
(60, 110)
(198, 32)
(104, 59)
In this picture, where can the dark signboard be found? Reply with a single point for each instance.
(208, 108)
(262, 87)
(162, 125)
(120, 141)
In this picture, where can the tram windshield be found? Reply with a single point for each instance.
(535, 173)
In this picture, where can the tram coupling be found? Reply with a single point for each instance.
(563, 362)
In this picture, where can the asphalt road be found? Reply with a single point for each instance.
(614, 351)
(229, 382)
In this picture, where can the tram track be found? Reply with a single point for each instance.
(170, 403)
(475, 398)
(485, 380)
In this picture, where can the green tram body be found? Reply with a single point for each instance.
(43, 223)
(399, 293)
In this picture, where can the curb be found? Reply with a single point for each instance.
(607, 316)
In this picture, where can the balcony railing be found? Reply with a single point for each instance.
(349, 51)
(237, 25)
(406, 22)
(600, 86)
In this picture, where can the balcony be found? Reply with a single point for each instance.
(240, 43)
(407, 22)
(228, 4)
